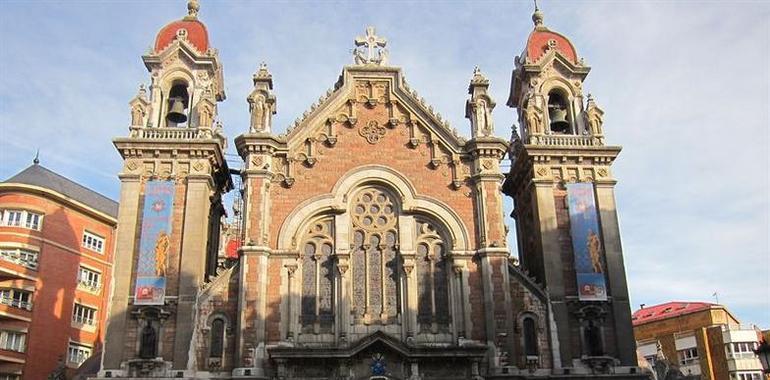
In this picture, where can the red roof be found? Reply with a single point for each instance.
(668, 310)
(197, 34)
(537, 43)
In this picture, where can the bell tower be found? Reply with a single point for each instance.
(174, 174)
(566, 218)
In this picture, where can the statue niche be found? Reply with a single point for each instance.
(148, 342)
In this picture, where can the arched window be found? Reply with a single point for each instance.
(317, 307)
(216, 349)
(558, 113)
(432, 279)
(375, 263)
(529, 335)
(178, 104)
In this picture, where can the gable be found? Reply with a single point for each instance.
(378, 106)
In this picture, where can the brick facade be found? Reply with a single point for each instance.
(53, 285)
(373, 175)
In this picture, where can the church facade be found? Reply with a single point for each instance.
(374, 234)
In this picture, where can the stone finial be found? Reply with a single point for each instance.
(263, 75)
(142, 93)
(478, 77)
(193, 6)
(370, 49)
(478, 109)
(537, 16)
(36, 160)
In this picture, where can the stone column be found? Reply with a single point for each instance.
(192, 264)
(545, 221)
(342, 251)
(407, 236)
(114, 347)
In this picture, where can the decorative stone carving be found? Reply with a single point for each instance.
(372, 132)
(139, 107)
(594, 117)
(533, 116)
(205, 113)
(370, 49)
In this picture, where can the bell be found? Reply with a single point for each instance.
(176, 114)
(559, 123)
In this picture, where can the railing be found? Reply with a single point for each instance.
(15, 303)
(79, 319)
(169, 133)
(566, 140)
(739, 327)
(16, 257)
(90, 285)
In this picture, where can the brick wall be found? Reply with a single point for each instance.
(55, 283)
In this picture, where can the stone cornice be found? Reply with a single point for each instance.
(259, 143)
(141, 148)
(487, 147)
(529, 163)
(591, 155)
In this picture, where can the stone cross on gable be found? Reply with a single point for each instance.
(372, 42)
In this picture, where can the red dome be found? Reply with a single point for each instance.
(538, 43)
(197, 34)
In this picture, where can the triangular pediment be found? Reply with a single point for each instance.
(371, 87)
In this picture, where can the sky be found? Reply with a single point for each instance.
(685, 87)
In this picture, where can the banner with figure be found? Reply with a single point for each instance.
(586, 242)
(154, 243)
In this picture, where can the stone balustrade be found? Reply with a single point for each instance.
(566, 140)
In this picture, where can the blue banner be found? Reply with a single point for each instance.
(154, 243)
(586, 242)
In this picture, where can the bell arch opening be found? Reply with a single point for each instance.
(559, 112)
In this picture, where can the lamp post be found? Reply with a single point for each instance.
(763, 351)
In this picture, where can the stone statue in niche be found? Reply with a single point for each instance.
(148, 346)
(137, 115)
(533, 115)
(594, 117)
(205, 116)
(482, 118)
(258, 113)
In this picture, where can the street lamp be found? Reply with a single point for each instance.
(763, 351)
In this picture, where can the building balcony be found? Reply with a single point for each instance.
(8, 301)
(90, 286)
(744, 364)
(85, 324)
(18, 257)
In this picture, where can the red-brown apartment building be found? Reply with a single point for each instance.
(56, 248)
